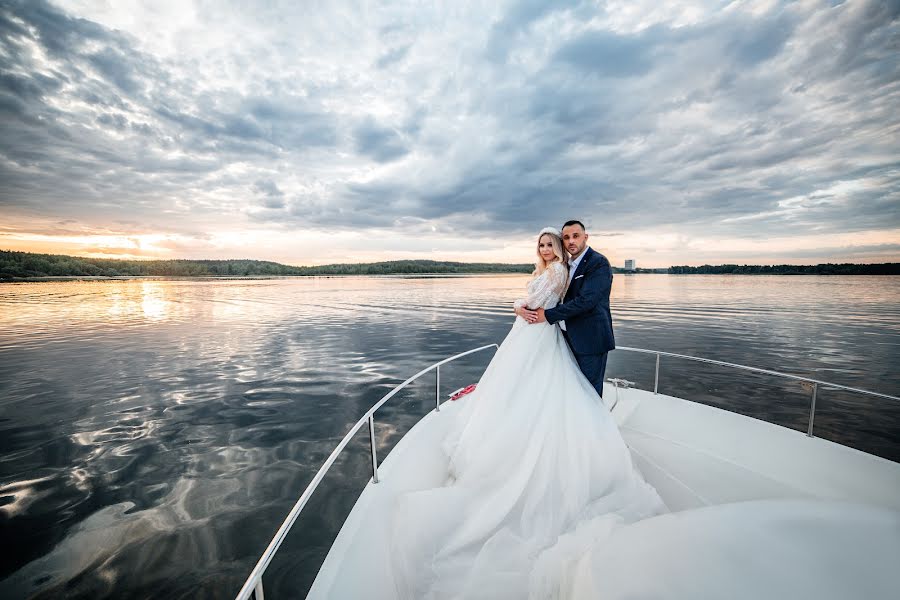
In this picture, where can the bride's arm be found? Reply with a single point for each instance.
(548, 285)
(559, 276)
(523, 311)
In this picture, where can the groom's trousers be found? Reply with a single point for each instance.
(592, 365)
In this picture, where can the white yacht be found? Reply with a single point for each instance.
(693, 454)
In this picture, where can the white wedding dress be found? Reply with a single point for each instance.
(532, 452)
(541, 500)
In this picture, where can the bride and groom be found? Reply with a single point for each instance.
(583, 312)
(532, 455)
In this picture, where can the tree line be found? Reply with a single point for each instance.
(18, 265)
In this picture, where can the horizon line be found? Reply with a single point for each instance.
(150, 259)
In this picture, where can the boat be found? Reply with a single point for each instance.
(695, 456)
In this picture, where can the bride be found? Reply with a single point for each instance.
(532, 452)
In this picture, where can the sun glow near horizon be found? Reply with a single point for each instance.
(651, 249)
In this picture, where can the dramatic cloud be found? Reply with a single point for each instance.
(681, 132)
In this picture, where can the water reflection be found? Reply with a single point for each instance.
(155, 433)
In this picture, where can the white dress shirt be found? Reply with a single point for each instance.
(573, 266)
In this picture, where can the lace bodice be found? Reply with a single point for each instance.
(546, 290)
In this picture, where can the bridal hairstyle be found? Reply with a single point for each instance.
(540, 265)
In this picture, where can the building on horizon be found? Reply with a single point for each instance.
(630, 264)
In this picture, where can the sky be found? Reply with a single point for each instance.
(680, 133)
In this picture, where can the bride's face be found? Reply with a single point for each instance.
(545, 248)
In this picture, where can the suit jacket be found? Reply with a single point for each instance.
(585, 308)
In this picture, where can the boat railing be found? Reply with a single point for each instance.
(813, 383)
(254, 584)
(254, 581)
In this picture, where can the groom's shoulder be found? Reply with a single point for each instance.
(596, 258)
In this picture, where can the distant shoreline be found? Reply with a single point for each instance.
(26, 266)
(64, 278)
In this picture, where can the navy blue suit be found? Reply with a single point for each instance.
(585, 309)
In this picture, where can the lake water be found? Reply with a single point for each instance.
(155, 433)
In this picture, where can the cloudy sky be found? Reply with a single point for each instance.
(684, 132)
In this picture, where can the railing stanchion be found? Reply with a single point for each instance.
(372, 446)
(437, 390)
(258, 591)
(812, 410)
(656, 382)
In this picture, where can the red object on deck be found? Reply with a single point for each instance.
(466, 390)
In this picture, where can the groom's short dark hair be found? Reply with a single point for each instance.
(579, 223)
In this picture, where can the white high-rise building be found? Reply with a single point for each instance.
(629, 264)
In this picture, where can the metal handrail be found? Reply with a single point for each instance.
(254, 580)
(815, 382)
(756, 369)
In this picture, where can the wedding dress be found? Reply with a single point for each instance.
(541, 500)
(532, 452)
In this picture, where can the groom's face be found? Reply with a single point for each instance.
(575, 239)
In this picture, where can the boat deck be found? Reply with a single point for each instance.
(694, 455)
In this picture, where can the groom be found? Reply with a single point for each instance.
(583, 315)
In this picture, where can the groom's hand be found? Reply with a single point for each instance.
(540, 316)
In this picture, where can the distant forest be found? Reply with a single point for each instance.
(19, 265)
(23, 265)
(823, 269)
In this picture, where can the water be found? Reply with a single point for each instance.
(154, 433)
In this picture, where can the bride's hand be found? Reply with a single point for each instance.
(529, 315)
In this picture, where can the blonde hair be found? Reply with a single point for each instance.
(540, 265)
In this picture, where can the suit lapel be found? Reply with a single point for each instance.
(577, 272)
